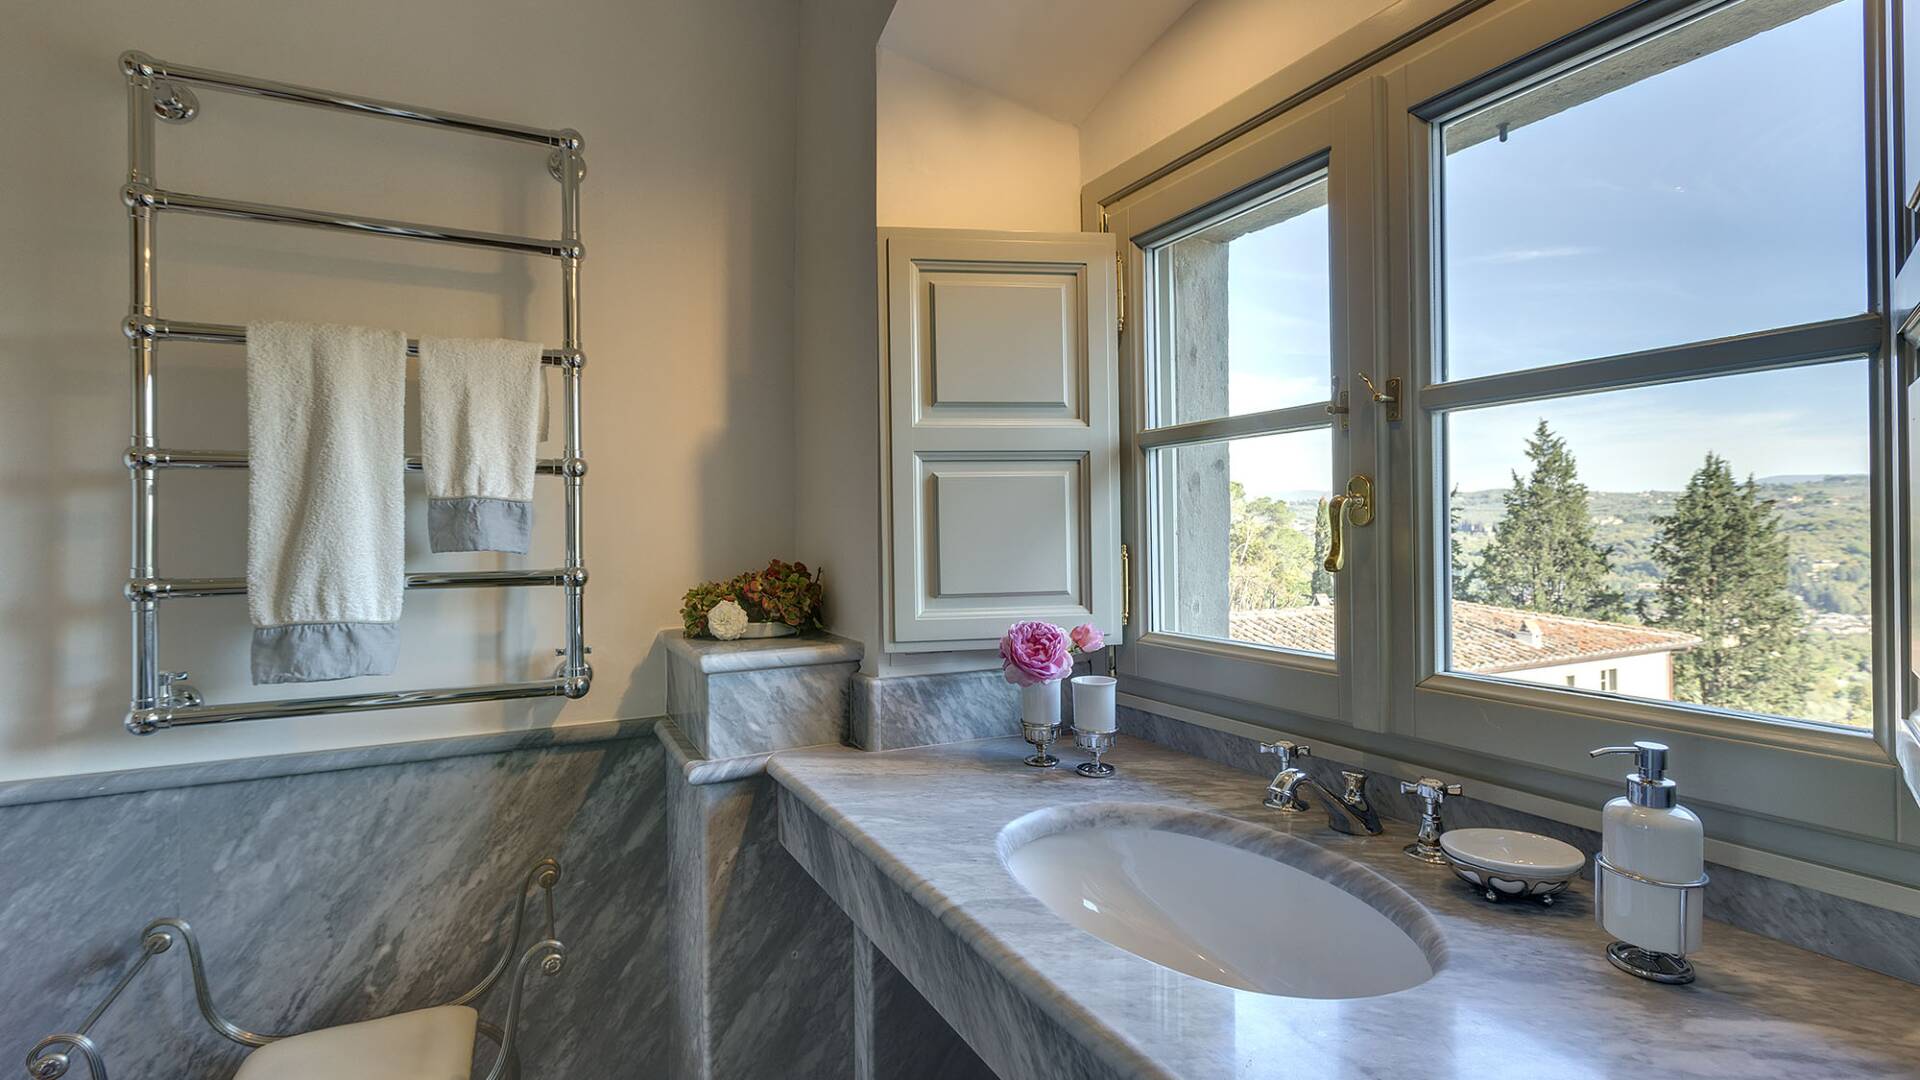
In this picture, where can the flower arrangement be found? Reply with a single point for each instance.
(784, 593)
(1035, 652)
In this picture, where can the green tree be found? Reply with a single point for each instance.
(1267, 557)
(1321, 583)
(1459, 568)
(1543, 556)
(1723, 563)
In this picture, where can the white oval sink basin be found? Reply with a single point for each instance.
(1219, 911)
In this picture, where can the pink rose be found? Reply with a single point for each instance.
(1087, 637)
(1034, 652)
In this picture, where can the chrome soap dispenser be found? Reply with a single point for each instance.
(1650, 872)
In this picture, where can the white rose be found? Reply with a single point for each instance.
(727, 620)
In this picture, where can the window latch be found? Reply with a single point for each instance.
(1353, 508)
(1390, 397)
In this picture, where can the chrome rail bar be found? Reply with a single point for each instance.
(159, 91)
(145, 196)
(141, 120)
(195, 588)
(139, 65)
(569, 168)
(164, 458)
(150, 720)
(227, 334)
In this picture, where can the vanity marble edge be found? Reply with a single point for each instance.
(699, 770)
(809, 777)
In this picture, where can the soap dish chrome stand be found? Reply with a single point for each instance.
(1095, 743)
(1041, 736)
(1671, 968)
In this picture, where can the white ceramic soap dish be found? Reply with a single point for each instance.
(1503, 863)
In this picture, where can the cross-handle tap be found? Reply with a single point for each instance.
(1432, 792)
(1289, 803)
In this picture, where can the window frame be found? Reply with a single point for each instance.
(1390, 679)
(1307, 141)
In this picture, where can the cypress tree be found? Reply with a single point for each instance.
(1543, 556)
(1723, 563)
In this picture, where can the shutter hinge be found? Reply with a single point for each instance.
(1126, 585)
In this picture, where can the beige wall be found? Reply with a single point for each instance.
(836, 318)
(689, 116)
(954, 156)
(1218, 49)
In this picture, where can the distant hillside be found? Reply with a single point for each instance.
(1826, 519)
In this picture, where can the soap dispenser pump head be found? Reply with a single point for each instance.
(1647, 785)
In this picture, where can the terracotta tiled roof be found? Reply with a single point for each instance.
(1486, 639)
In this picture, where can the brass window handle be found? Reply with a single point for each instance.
(1355, 508)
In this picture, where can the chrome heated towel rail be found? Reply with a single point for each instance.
(157, 90)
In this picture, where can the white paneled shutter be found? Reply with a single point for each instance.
(1003, 433)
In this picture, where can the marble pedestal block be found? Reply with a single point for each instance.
(758, 954)
(736, 698)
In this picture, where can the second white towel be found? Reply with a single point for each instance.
(480, 409)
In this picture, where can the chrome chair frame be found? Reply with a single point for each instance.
(53, 1056)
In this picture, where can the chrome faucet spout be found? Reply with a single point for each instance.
(1349, 812)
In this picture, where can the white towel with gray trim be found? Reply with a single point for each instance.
(480, 410)
(326, 503)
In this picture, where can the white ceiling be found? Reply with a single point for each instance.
(1057, 57)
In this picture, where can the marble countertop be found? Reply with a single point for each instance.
(1521, 989)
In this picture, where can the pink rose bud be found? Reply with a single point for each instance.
(1087, 637)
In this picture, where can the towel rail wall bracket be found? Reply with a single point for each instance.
(162, 91)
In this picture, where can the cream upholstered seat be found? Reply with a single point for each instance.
(427, 1044)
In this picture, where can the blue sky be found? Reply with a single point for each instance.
(1720, 197)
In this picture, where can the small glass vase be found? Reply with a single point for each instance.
(1040, 720)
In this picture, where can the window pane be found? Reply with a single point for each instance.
(1241, 532)
(1706, 182)
(1703, 542)
(1244, 311)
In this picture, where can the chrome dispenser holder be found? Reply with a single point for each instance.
(1671, 968)
(1095, 743)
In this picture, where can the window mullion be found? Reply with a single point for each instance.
(1272, 422)
(1834, 339)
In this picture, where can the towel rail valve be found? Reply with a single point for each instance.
(177, 693)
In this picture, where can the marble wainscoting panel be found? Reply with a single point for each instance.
(897, 1035)
(1009, 1032)
(1871, 937)
(759, 955)
(923, 710)
(736, 698)
(337, 896)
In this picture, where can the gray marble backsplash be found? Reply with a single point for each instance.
(334, 896)
(1872, 937)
